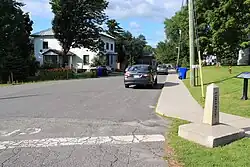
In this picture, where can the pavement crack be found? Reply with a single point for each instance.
(149, 148)
(130, 149)
(113, 162)
(15, 153)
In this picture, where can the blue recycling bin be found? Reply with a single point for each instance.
(177, 68)
(182, 72)
(99, 71)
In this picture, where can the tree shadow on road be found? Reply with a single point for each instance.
(18, 97)
(170, 84)
(158, 86)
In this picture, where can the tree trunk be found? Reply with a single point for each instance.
(65, 57)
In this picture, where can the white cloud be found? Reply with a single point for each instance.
(40, 8)
(134, 25)
(150, 9)
(117, 9)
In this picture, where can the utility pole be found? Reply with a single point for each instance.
(179, 49)
(191, 40)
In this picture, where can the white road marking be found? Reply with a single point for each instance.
(11, 133)
(56, 142)
(33, 130)
(29, 131)
(151, 106)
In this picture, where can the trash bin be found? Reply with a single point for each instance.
(99, 71)
(182, 72)
(177, 68)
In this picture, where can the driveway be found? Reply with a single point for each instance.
(91, 122)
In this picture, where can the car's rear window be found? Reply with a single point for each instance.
(139, 69)
(162, 66)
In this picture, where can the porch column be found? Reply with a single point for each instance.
(70, 61)
(58, 59)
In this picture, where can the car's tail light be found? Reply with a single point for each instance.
(127, 74)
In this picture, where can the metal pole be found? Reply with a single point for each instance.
(178, 56)
(191, 40)
(179, 49)
(201, 76)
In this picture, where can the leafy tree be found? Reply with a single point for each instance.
(166, 52)
(148, 50)
(116, 31)
(77, 23)
(224, 27)
(133, 47)
(114, 28)
(98, 61)
(173, 26)
(15, 45)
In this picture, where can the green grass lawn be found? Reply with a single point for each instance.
(232, 155)
(230, 89)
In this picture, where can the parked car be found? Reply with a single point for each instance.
(140, 74)
(170, 66)
(162, 69)
(126, 69)
(108, 68)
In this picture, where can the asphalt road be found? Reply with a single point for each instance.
(76, 123)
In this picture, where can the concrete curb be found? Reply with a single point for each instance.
(157, 112)
(195, 116)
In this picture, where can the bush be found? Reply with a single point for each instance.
(48, 65)
(56, 74)
(228, 62)
(60, 74)
(92, 74)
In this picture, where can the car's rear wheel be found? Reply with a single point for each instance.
(150, 86)
(126, 86)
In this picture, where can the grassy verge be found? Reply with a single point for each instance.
(230, 89)
(193, 155)
(236, 154)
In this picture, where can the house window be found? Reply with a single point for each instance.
(111, 47)
(85, 59)
(107, 46)
(50, 59)
(45, 45)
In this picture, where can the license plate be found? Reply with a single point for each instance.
(136, 76)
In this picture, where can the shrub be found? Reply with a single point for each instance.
(48, 65)
(228, 62)
(92, 74)
(56, 74)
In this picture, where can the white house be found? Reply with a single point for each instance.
(243, 57)
(48, 49)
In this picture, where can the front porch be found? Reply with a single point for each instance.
(54, 57)
(111, 59)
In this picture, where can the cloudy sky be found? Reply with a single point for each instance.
(138, 16)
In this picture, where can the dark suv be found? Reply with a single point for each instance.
(140, 74)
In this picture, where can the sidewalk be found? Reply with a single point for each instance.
(176, 101)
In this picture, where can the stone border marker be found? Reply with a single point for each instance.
(212, 107)
(210, 132)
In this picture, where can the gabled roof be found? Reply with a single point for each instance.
(58, 52)
(49, 32)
